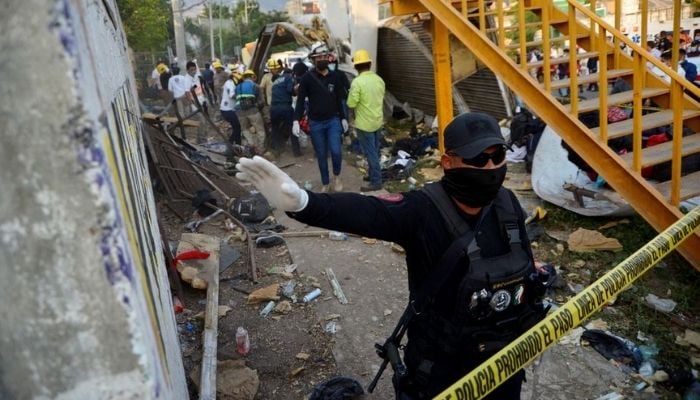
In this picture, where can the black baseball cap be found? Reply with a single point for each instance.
(469, 134)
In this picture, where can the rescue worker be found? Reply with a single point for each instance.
(281, 111)
(220, 78)
(325, 92)
(266, 88)
(367, 98)
(489, 296)
(248, 101)
(227, 108)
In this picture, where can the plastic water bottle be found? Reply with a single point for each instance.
(242, 341)
(334, 235)
(312, 295)
(266, 310)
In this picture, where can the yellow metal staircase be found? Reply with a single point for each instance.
(482, 25)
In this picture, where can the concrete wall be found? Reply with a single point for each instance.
(85, 308)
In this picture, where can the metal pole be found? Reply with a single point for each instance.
(179, 28)
(211, 32)
(221, 45)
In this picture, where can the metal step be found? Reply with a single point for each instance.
(663, 152)
(690, 186)
(618, 98)
(590, 78)
(649, 121)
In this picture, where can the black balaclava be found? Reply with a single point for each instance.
(474, 187)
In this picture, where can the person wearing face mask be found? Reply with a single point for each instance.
(473, 282)
(326, 93)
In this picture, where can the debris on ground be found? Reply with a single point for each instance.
(585, 240)
(264, 294)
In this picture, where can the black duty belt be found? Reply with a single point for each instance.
(280, 104)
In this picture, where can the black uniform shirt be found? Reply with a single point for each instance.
(410, 220)
(326, 94)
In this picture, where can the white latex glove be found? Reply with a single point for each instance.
(278, 188)
(296, 130)
(344, 122)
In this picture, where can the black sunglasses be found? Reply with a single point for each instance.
(482, 159)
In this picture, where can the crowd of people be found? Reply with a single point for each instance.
(289, 104)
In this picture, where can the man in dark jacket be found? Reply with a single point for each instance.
(486, 299)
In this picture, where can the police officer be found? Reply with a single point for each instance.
(492, 293)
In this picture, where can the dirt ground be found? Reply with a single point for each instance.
(292, 352)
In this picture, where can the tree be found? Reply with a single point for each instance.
(217, 11)
(148, 23)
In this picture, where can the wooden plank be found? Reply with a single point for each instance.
(618, 98)
(690, 186)
(561, 60)
(662, 152)
(209, 271)
(653, 120)
(150, 117)
(529, 25)
(613, 73)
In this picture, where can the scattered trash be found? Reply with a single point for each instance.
(339, 387)
(369, 241)
(192, 226)
(584, 240)
(561, 236)
(312, 295)
(242, 341)
(267, 309)
(660, 304)
(646, 369)
(331, 327)
(337, 290)
(573, 337)
(659, 376)
(223, 310)
(576, 288)
(612, 347)
(331, 317)
(397, 249)
(288, 289)
(282, 271)
(648, 351)
(689, 338)
(640, 386)
(284, 307)
(251, 208)
(297, 371)
(267, 239)
(598, 324)
(227, 256)
(302, 356)
(334, 235)
(264, 294)
(613, 224)
(387, 312)
(611, 396)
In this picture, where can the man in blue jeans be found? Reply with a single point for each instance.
(367, 98)
(327, 122)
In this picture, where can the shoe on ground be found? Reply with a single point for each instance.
(268, 239)
(325, 188)
(337, 184)
(370, 188)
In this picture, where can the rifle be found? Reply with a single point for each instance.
(389, 351)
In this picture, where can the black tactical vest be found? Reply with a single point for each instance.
(494, 303)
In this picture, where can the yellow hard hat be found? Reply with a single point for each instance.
(217, 64)
(161, 68)
(249, 72)
(272, 64)
(361, 57)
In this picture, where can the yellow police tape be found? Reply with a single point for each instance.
(497, 369)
